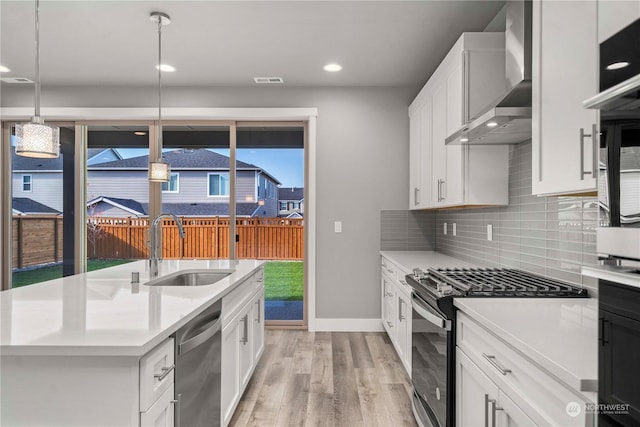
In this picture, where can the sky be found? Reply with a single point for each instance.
(284, 164)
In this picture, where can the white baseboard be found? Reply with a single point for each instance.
(348, 325)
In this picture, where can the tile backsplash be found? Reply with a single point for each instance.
(407, 231)
(553, 236)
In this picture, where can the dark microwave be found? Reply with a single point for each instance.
(619, 171)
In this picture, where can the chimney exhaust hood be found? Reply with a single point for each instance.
(508, 120)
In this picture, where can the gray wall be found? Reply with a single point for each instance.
(46, 188)
(362, 158)
(553, 236)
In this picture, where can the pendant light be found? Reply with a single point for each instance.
(36, 139)
(159, 171)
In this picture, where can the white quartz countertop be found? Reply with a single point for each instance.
(617, 274)
(558, 334)
(103, 313)
(408, 260)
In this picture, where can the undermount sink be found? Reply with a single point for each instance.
(190, 278)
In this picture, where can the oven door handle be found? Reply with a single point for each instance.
(429, 314)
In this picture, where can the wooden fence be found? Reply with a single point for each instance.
(36, 239)
(205, 238)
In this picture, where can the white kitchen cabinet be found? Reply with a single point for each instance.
(467, 81)
(161, 413)
(242, 341)
(527, 394)
(396, 310)
(614, 15)
(565, 141)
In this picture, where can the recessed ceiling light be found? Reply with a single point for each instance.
(166, 67)
(464, 139)
(333, 67)
(140, 133)
(617, 65)
(4, 69)
(492, 124)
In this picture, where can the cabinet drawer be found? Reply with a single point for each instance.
(161, 413)
(389, 268)
(540, 395)
(232, 302)
(258, 279)
(156, 373)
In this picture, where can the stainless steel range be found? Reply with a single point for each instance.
(433, 327)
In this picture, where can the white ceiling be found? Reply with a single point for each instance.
(227, 43)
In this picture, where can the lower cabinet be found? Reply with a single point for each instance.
(161, 413)
(242, 343)
(497, 386)
(396, 311)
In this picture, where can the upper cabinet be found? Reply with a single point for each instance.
(565, 140)
(467, 81)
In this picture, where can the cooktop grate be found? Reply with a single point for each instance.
(504, 282)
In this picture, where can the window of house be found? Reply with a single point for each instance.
(26, 183)
(218, 184)
(283, 206)
(173, 185)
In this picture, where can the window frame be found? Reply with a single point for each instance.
(30, 190)
(219, 196)
(169, 190)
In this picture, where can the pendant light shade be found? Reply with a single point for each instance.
(159, 171)
(36, 139)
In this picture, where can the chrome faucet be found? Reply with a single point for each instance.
(154, 258)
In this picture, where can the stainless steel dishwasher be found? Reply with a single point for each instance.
(198, 369)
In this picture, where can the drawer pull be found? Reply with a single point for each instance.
(390, 324)
(492, 360)
(165, 371)
(389, 270)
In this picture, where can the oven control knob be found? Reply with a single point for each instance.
(444, 289)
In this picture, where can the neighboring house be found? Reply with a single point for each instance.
(291, 202)
(37, 179)
(102, 155)
(26, 206)
(199, 185)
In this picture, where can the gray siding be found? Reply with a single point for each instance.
(193, 188)
(105, 209)
(46, 188)
(121, 184)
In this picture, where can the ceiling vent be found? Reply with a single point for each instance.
(20, 80)
(268, 80)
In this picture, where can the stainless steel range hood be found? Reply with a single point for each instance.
(507, 120)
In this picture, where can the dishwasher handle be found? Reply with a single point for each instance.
(193, 342)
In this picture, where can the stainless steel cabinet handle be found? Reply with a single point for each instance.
(259, 311)
(444, 189)
(390, 324)
(593, 136)
(439, 182)
(416, 193)
(486, 409)
(165, 371)
(177, 410)
(245, 329)
(492, 360)
(389, 270)
(596, 150)
(494, 408)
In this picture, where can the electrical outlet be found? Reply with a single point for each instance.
(337, 226)
(454, 231)
(489, 232)
(444, 228)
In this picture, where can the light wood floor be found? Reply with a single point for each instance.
(326, 379)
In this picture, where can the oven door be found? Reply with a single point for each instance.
(430, 365)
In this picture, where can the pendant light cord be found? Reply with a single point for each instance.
(37, 85)
(160, 88)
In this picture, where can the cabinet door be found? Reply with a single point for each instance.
(476, 394)
(403, 332)
(388, 295)
(230, 391)
(161, 413)
(508, 414)
(258, 327)
(415, 159)
(618, 366)
(246, 346)
(565, 73)
(438, 149)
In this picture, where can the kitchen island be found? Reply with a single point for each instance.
(75, 350)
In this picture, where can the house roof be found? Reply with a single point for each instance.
(207, 209)
(183, 159)
(24, 205)
(291, 193)
(21, 163)
(133, 206)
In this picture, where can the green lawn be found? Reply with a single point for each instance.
(283, 280)
(23, 278)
